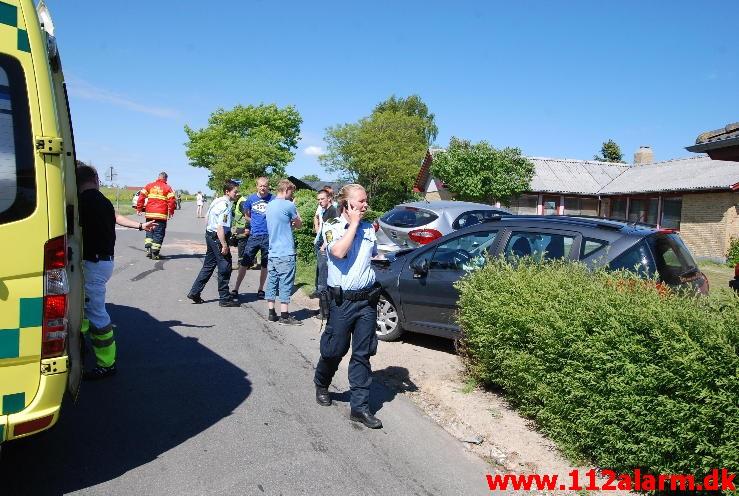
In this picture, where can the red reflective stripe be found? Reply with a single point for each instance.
(32, 425)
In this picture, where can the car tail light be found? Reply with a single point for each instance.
(56, 288)
(668, 231)
(424, 236)
(376, 225)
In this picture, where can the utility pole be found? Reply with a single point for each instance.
(111, 175)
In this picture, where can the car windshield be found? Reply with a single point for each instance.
(408, 217)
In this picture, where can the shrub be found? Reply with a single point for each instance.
(618, 372)
(305, 201)
(732, 256)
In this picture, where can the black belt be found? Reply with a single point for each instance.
(99, 258)
(214, 235)
(368, 293)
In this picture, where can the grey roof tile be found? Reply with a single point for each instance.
(686, 174)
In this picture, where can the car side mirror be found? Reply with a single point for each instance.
(420, 267)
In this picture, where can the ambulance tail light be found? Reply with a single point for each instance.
(56, 288)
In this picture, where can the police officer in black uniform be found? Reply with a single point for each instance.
(353, 295)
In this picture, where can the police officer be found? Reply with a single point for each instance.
(350, 246)
(218, 253)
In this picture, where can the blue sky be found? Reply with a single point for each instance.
(555, 79)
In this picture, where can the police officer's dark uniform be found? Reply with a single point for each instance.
(352, 317)
(219, 215)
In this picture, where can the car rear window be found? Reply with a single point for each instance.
(672, 257)
(17, 177)
(408, 217)
(473, 217)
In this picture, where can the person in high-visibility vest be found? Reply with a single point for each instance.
(97, 220)
(157, 199)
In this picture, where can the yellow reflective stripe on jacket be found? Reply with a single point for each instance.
(158, 197)
(154, 215)
(170, 195)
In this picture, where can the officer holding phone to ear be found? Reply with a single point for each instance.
(353, 295)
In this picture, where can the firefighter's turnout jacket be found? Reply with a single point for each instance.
(160, 200)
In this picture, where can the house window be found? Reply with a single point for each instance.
(550, 205)
(618, 208)
(525, 205)
(644, 210)
(671, 211)
(581, 206)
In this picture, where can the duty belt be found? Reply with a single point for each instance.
(355, 295)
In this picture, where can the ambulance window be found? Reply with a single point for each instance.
(17, 178)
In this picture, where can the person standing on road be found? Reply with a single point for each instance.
(218, 253)
(350, 246)
(324, 212)
(254, 209)
(97, 220)
(199, 204)
(239, 232)
(158, 201)
(282, 217)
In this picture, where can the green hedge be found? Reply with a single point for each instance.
(732, 255)
(618, 372)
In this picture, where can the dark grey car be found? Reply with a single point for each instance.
(418, 285)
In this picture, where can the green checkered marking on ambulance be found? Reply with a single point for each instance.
(8, 14)
(13, 403)
(10, 343)
(23, 43)
(31, 310)
(9, 17)
(2, 433)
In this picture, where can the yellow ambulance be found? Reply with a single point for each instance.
(41, 288)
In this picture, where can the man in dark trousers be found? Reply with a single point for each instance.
(350, 245)
(157, 200)
(98, 220)
(324, 212)
(218, 253)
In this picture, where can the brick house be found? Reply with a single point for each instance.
(697, 196)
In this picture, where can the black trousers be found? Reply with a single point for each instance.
(214, 259)
(353, 321)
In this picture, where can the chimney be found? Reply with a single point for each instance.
(644, 155)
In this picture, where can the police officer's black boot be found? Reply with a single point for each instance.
(322, 396)
(366, 418)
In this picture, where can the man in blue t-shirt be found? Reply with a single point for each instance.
(254, 209)
(282, 218)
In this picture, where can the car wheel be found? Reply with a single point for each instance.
(388, 320)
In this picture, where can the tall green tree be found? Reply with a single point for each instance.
(382, 152)
(610, 152)
(479, 172)
(412, 106)
(310, 177)
(245, 142)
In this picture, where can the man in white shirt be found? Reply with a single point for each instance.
(218, 253)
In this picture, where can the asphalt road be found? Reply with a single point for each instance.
(212, 400)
